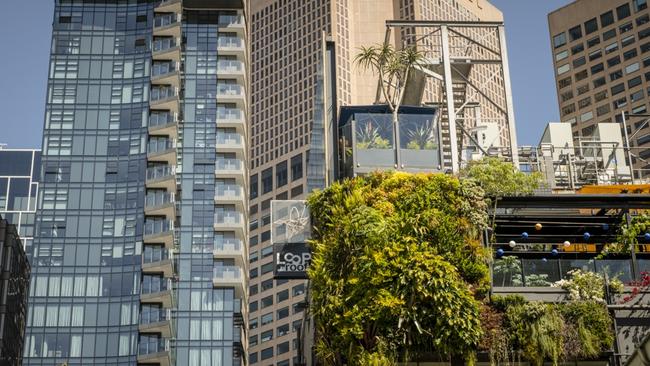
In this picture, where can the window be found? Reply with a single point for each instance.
(582, 89)
(609, 34)
(627, 41)
(54, 199)
(283, 313)
(623, 11)
(594, 55)
(640, 109)
(267, 252)
(591, 26)
(599, 82)
(282, 295)
(581, 75)
(583, 103)
(606, 19)
(620, 103)
(642, 20)
(252, 290)
(267, 285)
(254, 186)
(252, 341)
(266, 336)
(639, 5)
(266, 268)
(267, 180)
(617, 89)
(283, 348)
(611, 48)
(252, 306)
(253, 273)
(577, 48)
(561, 55)
(267, 318)
(644, 33)
(568, 109)
(636, 96)
(575, 33)
(267, 301)
(563, 83)
(634, 82)
(296, 166)
(632, 68)
(616, 75)
(252, 323)
(643, 140)
(579, 62)
(568, 95)
(592, 42)
(645, 47)
(597, 68)
(586, 116)
(283, 329)
(298, 290)
(559, 40)
(267, 353)
(625, 27)
(629, 54)
(602, 110)
(600, 96)
(613, 61)
(281, 174)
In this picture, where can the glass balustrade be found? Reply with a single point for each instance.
(159, 145)
(154, 254)
(228, 190)
(153, 227)
(225, 66)
(228, 164)
(162, 68)
(163, 93)
(154, 315)
(230, 89)
(158, 199)
(229, 114)
(163, 44)
(226, 20)
(159, 172)
(227, 272)
(228, 218)
(154, 284)
(229, 138)
(229, 42)
(227, 244)
(160, 119)
(151, 345)
(165, 20)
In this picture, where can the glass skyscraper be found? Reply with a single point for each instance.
(140, 239)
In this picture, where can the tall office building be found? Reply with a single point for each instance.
(600, 54)
(19, 173)
(138, 250)
(302, 72)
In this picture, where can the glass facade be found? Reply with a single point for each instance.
(138, 249)
(19, 176)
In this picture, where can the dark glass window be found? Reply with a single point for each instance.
(613, 61)
(625, 27)
(595, 55)
(267, 180)
(623, 11)
(16, 163)
(599, 82)
(282, 295)
(577, 48)
(644, 33)
(283, 348)
(281, 174)
(627, 41)
(254, 186)
(267, 353)
(606, 19)
(642, 20)
(597, 68)
(579, 62)
(591, 26)
(575, 33)
(267, 301)
(559, 40)
(630, 54)
(609, 34)
(617, 89)
(296, 167)
(252, 306)
(634, 82)
(616, 75)
(594, 41)
(645, 47)
(640, 5)
(283, 313)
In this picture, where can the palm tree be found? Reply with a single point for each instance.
(393, 67)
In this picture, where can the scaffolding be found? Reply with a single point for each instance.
(465, 74)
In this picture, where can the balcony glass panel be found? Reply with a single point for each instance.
(228, 217)
(230, 89)
(228, 190)
(162, 44)
(156, 145)
(160, 118)
(374, 140)
(230, 42)
(226, 20)
(159, 172)
(157, 226)
(151, 344)
(419, 141)
(229, 113)
(154, 199)
(228, 138)
(540, 272)
(228, 164)
(229, 66)
(149, 315)
(153, 254)
(164, 20)
(615, 268)
(163, 93)
(227, 272)
(227, 244)
(162, 68)
(507, 272)
(154, 284)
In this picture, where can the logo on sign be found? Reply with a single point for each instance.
(290, 262)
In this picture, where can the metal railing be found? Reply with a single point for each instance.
(150, 346)
(160, 172)
(153, 227)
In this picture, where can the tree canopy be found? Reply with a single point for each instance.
(500, 179)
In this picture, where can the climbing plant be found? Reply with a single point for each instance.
(397, 268)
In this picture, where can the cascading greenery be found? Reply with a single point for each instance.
(397, 268)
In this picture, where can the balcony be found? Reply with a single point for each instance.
(155, 352)
(163, 177)
(230, 142)
(233, 23)
(157, 291)
(160, 204)
(230, 168)
(231, 93)
(165, 97)
(166, 49)
(169, 6)
(157, 260)
(230, 194)
(231, 117)
(229, 276)
(163, 123)
(231, 46)
(156, 321)
(168, 25)
(233, 69)
(230, 221)
(166, 73)
(159, 232)
(162, 150)
(229, 249)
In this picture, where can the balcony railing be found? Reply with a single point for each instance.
(156, 199)
(154, 315)
(153, 255)
(228, 218)
(225, 66)
(160, 145)
(163, 68)
(228, 164)
(163, 93)
(165, 20)
(226, 20)
(228, 138)
(153, 227)
(147, 347)
(160, 172)
(228, 190)
(229, 244)
(229, 114)
(229, 42)
(161, 119)
(152, 285)
(230, 89)
(227, 273)
(164, 44)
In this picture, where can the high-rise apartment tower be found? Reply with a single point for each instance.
(600, 57)
(139, 246)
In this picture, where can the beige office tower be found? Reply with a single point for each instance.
(600, 54)
(302, 71)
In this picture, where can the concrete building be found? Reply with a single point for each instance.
(20, 171)
(14, 286)
(600, 57)
(140, 238)
(302, 73)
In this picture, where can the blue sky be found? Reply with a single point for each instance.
(26, 33)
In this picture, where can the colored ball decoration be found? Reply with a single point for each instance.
(499, 253)
(538, 226)
(586, 235)
(512, 243)
(524, 235)
(566, 244)
(646, 236)
(554, 252)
